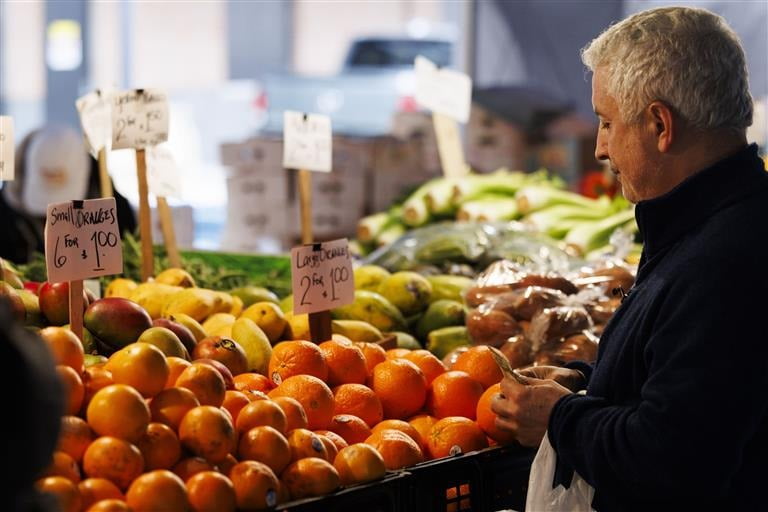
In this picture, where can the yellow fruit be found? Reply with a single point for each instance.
(190, 323)
(237, 306)
(154, 296)
(269, 317)
(219, 324)
(120, 287)
(297, 328)
(409, 291)
(255, 343)
(175, 277)
(356, 330)
(198, 303)
(227, 301)
(368, 277)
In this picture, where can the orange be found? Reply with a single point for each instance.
(358, 400)
(397, 353)
(209, 491)
(310, 477)
(254, 382)
(157, 490)
(305, 443)
(74, 437)
(373, 353)
(267, 445)
(454, 393)
(170, 405)
(455, 434)
(486, 418)
(396, 448)
(258, 413)
(94, 378)
(254, 395)
(227, 464)
(109, 505)
(207, 431)
(346, 362)
(205, 382)
(403, 426)
(295, 417)
(234, 401)
(115, 459)
(62, 464)
(427, 363)
(313, 394)
(479, 363)
(93, 490)
(359, 463)
(119, 411)
(256, 486)
(335, 438)
(330, 447)
(64, 491)
(140, 365)
(73, 387)
(423, 424)
(401, 387)
(160, 447)
(299, 357)
(351, 428)
(176, 365)
(189, 467)
(65, 347)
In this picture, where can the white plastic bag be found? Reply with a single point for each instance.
(543, 498)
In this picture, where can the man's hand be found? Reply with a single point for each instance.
(525, 409)
(571, 379)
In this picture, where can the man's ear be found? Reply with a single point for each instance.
(663, 125)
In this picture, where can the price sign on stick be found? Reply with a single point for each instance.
(164, 180)
(6, 148)
(140, 120)
(321, 279)
(82, 240)
(95, 111)
(447, 94)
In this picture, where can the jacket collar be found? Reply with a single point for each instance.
(664, 219)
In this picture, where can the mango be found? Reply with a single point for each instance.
(121, 287)
(116, 321)
(154, 296)
(166, 340)
(252, 294)
(369, 277)
(175, 277)
(255, 343)
(372, 308)
(408, 291)
(441, 313)
(269, 317)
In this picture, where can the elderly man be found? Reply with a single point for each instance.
(675, 415)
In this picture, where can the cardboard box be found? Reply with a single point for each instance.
(418, 126)
(396, 171)
(493, 142)
(265, 152)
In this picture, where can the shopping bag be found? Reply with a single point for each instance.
(543, 498)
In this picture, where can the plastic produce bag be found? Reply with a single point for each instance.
(543, 498)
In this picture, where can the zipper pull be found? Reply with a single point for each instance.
(620, 291)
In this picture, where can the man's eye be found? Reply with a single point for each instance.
(605, 125)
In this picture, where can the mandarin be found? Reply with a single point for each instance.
(176, 365)
(346, 362)
(65, 347)
(401, 387)
(486, 418)
(259, 413)
(396, 448)
(160, 447)
(170, 405)
(427, 363)
(93, 490)
(305, 443)
(157, 490)
(209, 491)
(74, 437)
(205, 382)
(358, 400)
(256, 486)
(290, 358)
(373, 353)
(140, 365)
(64, 491)
(115, 459)
(454, 393)
(266, 445)
(453, 435)
(295, 416)
(208, 432)
(351, 428)
(479, 364)
(311, 476)
(73, 387)
(313, 394)
(119, 411)
(359, 463)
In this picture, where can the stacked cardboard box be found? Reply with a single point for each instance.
(493, 142)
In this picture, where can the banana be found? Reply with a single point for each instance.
(449, 287)
(219, 324)
(255, 343)
(198, 303)
(190, 323)
(175, 277)
(372, 308)
(356, 330)
(154, 296)
(408, 291)
(121, 287)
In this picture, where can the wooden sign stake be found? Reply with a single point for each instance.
(76, 307)
(320, 327)
(169, 235)
(449, 145)
(305, 204)
(106, 183)
(145, 221)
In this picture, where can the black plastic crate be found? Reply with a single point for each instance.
(505, 477)
(386, 495)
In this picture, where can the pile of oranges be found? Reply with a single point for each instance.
(144, 431)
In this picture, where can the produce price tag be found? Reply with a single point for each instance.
(6, 148)
(306, 141)
(444, 91)
(321, 276)
(82, 240)
(139, 118)
(95, 112)
(162, 173)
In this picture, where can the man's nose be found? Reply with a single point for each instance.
(601, 149)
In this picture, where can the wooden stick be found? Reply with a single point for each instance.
(169, 234)
(145, 220)
(106, 183)
(305, 203)
(320, 328)
(449, 146)
(76, 307)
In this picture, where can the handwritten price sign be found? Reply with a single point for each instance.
(163, 174)
(95, 111)
(306, 141)
(139, 118)
(6, 148)
(321, 276)
(82, 240)
(443, 91)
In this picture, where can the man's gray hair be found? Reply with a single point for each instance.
(688, 58)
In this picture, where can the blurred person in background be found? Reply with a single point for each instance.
(52, 165)
(675, 415)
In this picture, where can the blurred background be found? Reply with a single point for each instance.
(232, 67)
